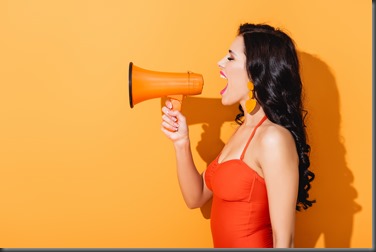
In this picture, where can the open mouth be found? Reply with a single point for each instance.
(222, 75)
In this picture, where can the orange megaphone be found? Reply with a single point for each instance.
(145, 84)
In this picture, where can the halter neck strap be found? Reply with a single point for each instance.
(252, 134)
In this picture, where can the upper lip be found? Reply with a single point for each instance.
(222, 74)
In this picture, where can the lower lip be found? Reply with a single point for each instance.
(223, 90)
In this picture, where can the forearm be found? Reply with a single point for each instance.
(283, 240)
(190, 180)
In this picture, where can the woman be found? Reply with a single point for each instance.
(261, 176)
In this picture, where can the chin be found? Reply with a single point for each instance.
(226, 102)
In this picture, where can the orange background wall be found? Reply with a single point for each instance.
(80, 168)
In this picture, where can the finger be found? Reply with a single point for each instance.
(168, 133)
(169, 120)
(174, 113)
(165, 110)
(179, 116)
(168, 104)
(167, 113)
(169, 127)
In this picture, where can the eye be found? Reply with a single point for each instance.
(230, 58)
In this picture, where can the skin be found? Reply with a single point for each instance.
(271, 153)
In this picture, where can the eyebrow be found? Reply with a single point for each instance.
(232, 52)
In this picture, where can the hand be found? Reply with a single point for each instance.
(174, 125)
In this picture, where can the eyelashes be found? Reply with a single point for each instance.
(230, 58)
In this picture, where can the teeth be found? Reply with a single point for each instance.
(222, 75)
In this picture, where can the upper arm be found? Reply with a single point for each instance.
(206, 192)
(280, 164)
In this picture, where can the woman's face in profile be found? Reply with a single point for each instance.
(233, 69)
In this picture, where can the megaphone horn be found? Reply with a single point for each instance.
(146, 84)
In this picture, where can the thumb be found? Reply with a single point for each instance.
(179, 116)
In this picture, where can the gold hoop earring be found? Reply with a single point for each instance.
(250, 104)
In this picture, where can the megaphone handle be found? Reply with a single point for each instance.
(176, 101)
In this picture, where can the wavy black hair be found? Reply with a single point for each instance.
(273, 66)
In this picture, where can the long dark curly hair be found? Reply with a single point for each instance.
(273, 66)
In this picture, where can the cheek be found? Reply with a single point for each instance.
(238, 80)
(237, 72)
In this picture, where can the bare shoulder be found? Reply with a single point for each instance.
(277, 149)
(274, 136)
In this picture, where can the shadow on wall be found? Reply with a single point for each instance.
(212, 114)
(332, 215)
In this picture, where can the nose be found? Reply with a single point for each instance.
(221, 63)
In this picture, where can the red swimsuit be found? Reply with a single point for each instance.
(240, 211)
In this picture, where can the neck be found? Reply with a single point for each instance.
(254, 117)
